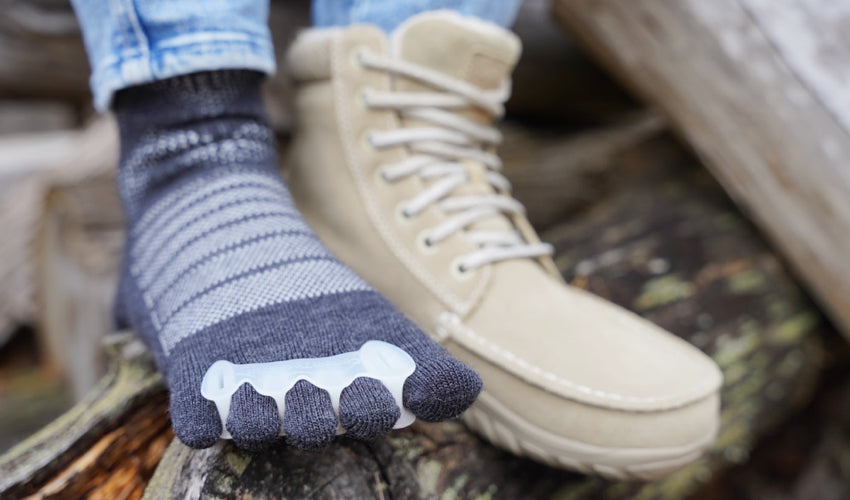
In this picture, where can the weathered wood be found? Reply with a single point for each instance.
(759, 89)
(79, 242)
(806, 457)
(30, 166)
(660, 238)
(668, 244)
(30, 397)
(21, 159)
(104, 447)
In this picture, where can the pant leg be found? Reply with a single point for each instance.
(390, 13)
(131, 42)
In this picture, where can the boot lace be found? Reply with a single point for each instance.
(439, 150)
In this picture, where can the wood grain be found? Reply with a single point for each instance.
(759, 89)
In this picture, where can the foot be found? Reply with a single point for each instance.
(219, 265)
(403, 124)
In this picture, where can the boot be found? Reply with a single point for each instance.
(394, 166)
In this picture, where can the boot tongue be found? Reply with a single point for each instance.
(467, 48)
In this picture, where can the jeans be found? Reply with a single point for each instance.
(131, 42)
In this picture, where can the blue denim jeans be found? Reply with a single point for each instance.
(131, 42)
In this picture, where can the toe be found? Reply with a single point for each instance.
(367, 409)
(440, 389)
(253, 421)
(309, 420)
(194, 418)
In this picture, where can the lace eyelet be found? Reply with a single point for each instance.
(425, 244)
(360, 98)
(381, 177)
(362, 93)
(366, 141)
(356, 55)
(401, 213)
(459, 271)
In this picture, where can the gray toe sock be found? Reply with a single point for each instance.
(219, 264)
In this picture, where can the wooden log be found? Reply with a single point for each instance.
(759, 90)
(805, 457)
(22, 159)
(30, 397)
(78, 246)
(105, 447)
(661, 238)
(42, 210)
(668, 244)
(29, 165)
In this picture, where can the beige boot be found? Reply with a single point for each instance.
(393, 167)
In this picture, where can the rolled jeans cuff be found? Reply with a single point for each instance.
(183, 54)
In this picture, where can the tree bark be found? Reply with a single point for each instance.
(759, 89)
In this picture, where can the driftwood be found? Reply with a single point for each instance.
(661, 238)
(759, 89)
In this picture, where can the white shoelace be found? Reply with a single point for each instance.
(440, 149)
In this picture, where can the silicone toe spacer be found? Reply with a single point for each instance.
(375, 359)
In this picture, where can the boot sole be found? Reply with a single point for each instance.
(506, 429)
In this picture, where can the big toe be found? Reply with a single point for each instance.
(441, 389)
(253, 422)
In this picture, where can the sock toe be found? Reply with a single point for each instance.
(195, 419)
(253, 421)
(441, 389)
(367, 409)
(309, 421)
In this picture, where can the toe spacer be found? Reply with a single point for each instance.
(375, 359)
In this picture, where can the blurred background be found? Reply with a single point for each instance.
(687, 160)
